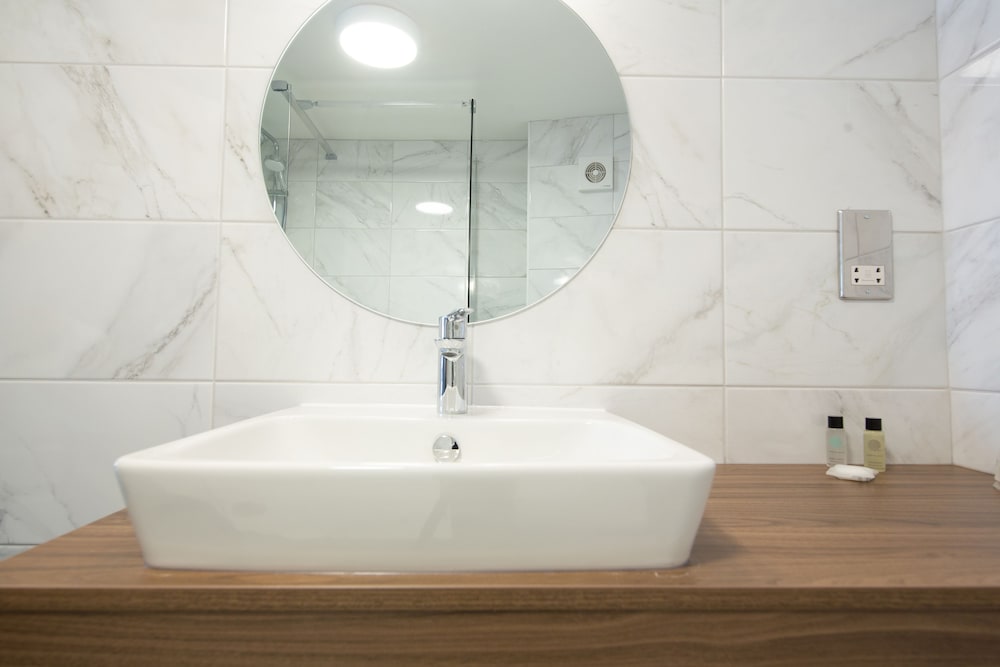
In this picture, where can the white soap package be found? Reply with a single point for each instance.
(852, 473)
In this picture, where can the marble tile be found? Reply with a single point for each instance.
(789, 425)
(279, 322)
(358, 205)
(969, 127)
(114, 32)
(844, 144)
(244, 192)
(692, 416)
(785, 324)
(406, 196)
(542, 282)
(304, 242)
(372, 292)
(11, 550)
(236, 401)
(853, 39)
(501, 161)
(657, 37)
(421, 252)
(621, 174)
(623, 137)
(972, 282)
(646, 310)
(501, 253)
(676, 170)
(107, 300)
(564, 141)
(303, 159)
(496, 297)
(565, 243)
(302, 205)
(61, 439)
(429, 161)
(424, 299)
(965, 29)
(357, 161)
(111, 142)
(258, 32)
(352, 252)
(555, 192)
(975, 422)
(501, 205)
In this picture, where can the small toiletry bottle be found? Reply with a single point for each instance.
(836, 441)
(874, 444)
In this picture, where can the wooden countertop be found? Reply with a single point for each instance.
(774, 537)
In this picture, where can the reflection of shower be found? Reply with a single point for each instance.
(277, 167)
(299, 107)
(274, 175)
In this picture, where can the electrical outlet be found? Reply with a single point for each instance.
(865, 242)
(865, 274)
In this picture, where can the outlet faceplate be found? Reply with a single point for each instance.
(865, 254)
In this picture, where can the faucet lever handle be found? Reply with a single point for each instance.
(454, 323)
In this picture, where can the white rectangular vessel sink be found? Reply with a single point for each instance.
(355, 488)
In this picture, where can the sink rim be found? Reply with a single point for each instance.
(170, 455)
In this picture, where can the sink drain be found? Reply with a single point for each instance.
(446, 449)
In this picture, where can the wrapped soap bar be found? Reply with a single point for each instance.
(852, 473)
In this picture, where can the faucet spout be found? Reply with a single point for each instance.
(452, 386)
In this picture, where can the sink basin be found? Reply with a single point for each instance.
(357, 488)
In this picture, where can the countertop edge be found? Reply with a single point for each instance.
(270, 599)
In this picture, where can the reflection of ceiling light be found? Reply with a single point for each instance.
(377, 36)
(434, 208)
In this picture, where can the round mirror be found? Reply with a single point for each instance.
(467, 153)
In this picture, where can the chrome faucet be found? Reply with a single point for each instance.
(452, 388)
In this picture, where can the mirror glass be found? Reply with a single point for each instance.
(484, 173)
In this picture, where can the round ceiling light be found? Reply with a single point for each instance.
(377, 36)
(434, 208)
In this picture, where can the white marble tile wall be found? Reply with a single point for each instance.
(11, 550)
(764, 425)
(966, 28)
(151, 293)
(97, 148)
(975, 422)
(108, 300)
(969, 57)
(828, 39)
(973, 288)
(798, 150)
(60, 440)
(969, 127)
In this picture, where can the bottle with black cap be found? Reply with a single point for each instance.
(874, 444)
(836, 440)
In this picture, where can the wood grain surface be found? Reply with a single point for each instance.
(790, 567)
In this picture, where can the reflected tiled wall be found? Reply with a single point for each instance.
(969, 60)
(566, 221)
(148, 294)
(354, 221)
(344, 216)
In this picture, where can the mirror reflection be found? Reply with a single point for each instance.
(479, 164)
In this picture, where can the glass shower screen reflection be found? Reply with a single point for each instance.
(378, 198)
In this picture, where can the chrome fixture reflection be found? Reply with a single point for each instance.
(452, 387)
(299, 107)
(446, 449)
(274, 175)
